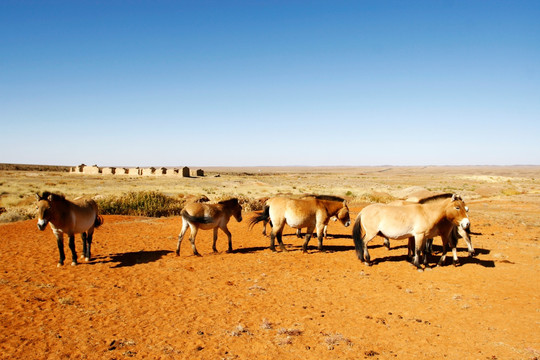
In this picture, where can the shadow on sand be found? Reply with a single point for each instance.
(133, 258)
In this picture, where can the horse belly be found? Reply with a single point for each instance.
(82, 225)
(297, 221)
(396, 232)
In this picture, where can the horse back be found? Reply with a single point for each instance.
(80, 215)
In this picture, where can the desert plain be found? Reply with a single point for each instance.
(136, 299)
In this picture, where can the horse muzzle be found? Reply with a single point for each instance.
(347, 223)
(42, 224)
(465, 223)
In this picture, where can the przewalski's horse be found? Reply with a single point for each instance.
(311, 213)
(299, 231)
(79, 216)
(208, 216)
(442, 229)
(419, 221)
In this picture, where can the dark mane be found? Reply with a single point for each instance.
(328, 198)
(55, 197)
(435, 198)
(232, 201)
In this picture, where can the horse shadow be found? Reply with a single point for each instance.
(133, 258)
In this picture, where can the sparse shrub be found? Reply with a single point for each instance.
(511, 192)
(289, 332)
(144, 203)
(377, 197)
(16, 214)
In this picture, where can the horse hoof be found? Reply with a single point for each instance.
(86, 259)
(73, 263)
(428, 268)
(420, 270)
(59, 264)
(367, 263)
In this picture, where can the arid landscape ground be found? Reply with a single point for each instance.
(137, 299)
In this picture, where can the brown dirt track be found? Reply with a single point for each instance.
(137, 299)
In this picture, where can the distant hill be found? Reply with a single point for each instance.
(29, 167)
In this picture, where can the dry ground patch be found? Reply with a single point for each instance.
(137, 299)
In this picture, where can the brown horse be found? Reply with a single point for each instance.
(79, 216)
(208, 216)
(311, 213)
(452, 239)
(430, 217)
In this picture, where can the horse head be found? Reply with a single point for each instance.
(343, 215)
(234, 206)
(456, 211)
(44, 209)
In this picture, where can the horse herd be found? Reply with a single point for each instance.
(443, 215)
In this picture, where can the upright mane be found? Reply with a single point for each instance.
(328, 198)
(232, 201)
(435, 198)
(54, 196)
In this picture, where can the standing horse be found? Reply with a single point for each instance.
(79, 216)
(208, 216)
(419, 221)
(443, 228)
(312, 212)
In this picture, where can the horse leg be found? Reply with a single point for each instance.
(229, 237)
(442, 260)
(215, 239)
(325, 231)
(72, 248)
(387, 243)
(192, 239)
(181, 236)
(264, 227)
(84, 244)
(306, 242)
(429, 246)
(60, 243)
(454, 255)
(299, 233)
(89, 238)
(418, 250)
(280, 241)
(367, 238)
(320, 235)
(410, 249)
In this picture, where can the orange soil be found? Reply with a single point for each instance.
(137, 299)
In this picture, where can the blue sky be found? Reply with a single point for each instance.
(255, 83)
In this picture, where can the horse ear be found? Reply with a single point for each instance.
(345, 203)
(38, 197)
(50, 197)
(454, 197)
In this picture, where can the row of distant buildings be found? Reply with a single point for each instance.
(137, 171)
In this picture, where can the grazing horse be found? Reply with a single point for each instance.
(311, 212)
(79, 216)
(443, 228)
(208, 216)
(420, 221)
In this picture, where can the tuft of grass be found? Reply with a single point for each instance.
(143, 203)
(335, 339)
(16, 214)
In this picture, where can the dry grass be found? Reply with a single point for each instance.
(358, 185)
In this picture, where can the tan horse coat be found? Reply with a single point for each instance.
(420, 221)
(207, 216)
(79, 216)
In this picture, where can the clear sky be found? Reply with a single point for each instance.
(241, 83)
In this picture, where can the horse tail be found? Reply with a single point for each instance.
(196, 219)
(98, 222)
(260, 216)
(358, 239)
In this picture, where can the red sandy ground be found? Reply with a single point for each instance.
(137, 299)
